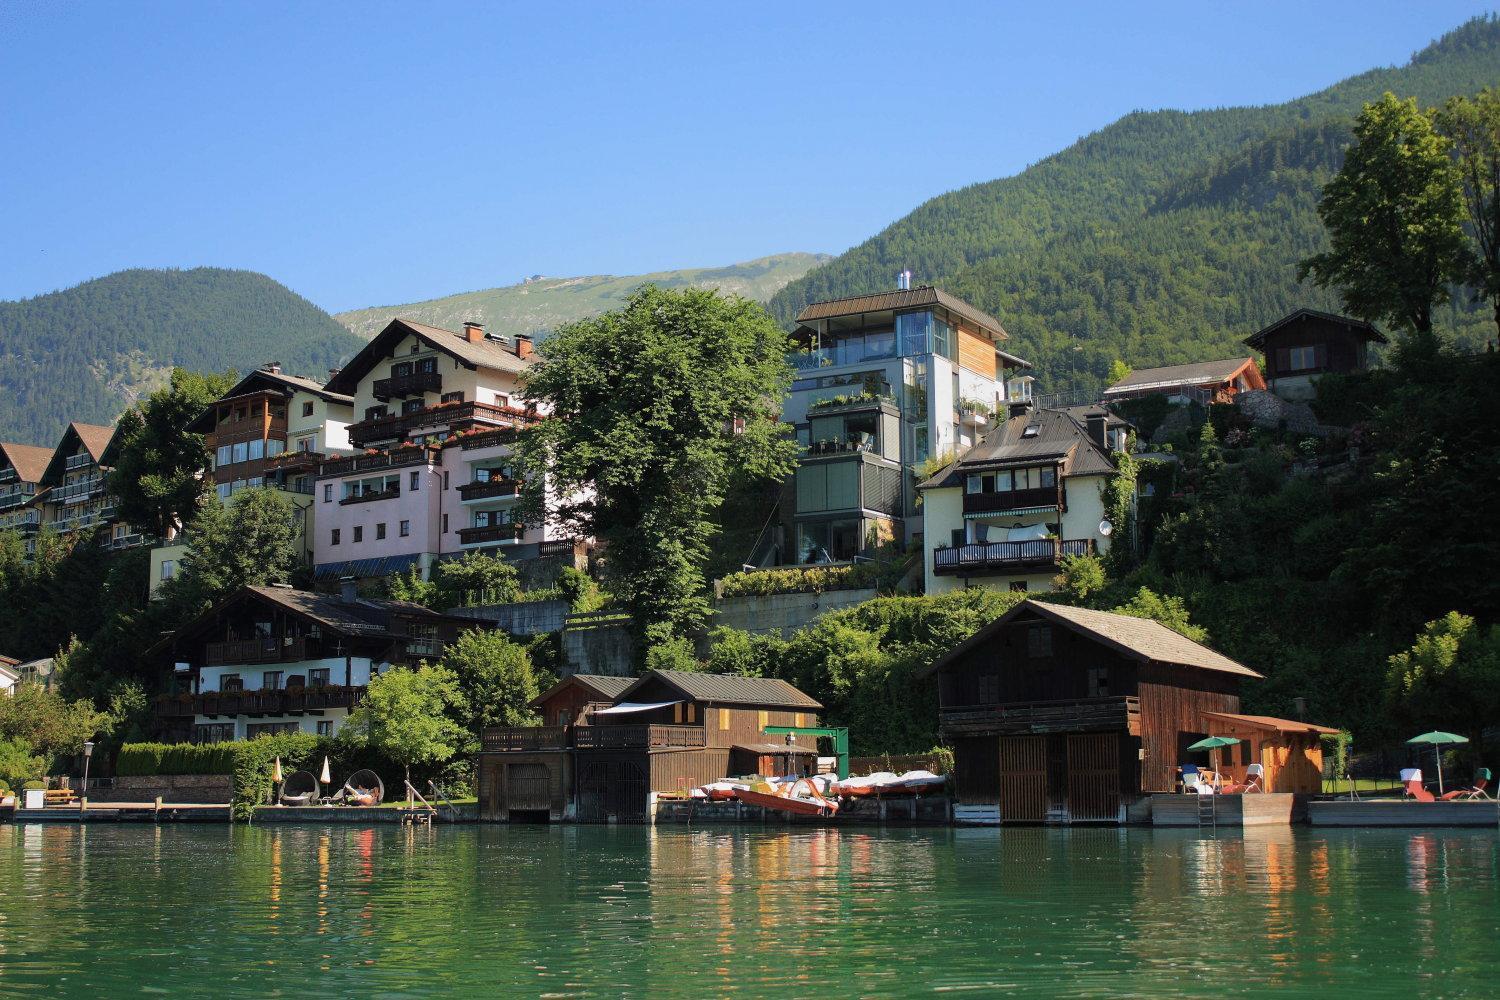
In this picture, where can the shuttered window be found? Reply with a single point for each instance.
(723, 719)
(764, 717)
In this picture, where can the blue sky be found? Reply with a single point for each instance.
(381, 153)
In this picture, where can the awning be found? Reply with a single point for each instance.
(1009, 513)
(365, 568)
(770, 749)
(626, 707)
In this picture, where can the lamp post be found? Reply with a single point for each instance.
(88, 753)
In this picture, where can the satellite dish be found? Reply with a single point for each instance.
(1106, 529)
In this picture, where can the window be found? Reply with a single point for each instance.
(427, 366)
(1049, 477)
(359, 533)
(374, 412)
(275, 447)
(1038, 637)
(270, 680)
(317, 677)
(334, 539)
(445, 524)
(240, 452)
(221, 456)
(213, 732)
(412, 405)
(224, 490)
(416, 481)
(401, 369)
(976, 483)
(723, 719)
(256, 449)
(421, 640)
(231, 682)
(327, 492)
(445, 480)
(307, 409)
(325, 727)
(1098, 679)
(1031, 431)
(379, 530)
(1303, 358)
(255, 729)
(453, 397)
(168, 569)
(404, 529)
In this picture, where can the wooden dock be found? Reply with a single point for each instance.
(1404, 813)
(1256, 809)
(125, 812)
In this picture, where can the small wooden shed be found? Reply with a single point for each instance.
(1290, 751)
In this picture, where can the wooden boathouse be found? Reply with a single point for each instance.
(1059, 714)
(526, 772)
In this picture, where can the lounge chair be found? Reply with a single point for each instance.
(1474, 791)
(300, 789)
(1255, 775)
(1190, 777)
(1411, 777)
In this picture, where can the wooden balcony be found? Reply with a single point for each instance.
(979, 558)
(489, 488)
(999, 503)
(285, 701)
(392, 459)
(499, 739)
(442, 417)
(638, 737)
(1031, 718)
(490, 533)
(398, 386)
(390, 493)
(270, 649)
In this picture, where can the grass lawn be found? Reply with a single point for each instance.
(1334, 786)
(401, 803)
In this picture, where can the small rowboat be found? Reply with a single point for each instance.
(720, 791)
(799, 798)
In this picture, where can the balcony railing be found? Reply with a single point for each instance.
(501, 738)
(370, 496)
(79, 461)
(125, 541)
(980, 557)
(483, 489)
(395, 458)
(283, 701)
(490, 533)
(637, 737)
(268, 649)
(9, 500)
(443, 416)
(1039, 717)
(488, 439)
(75, 492)
(1041, 496)
(398, 386)
(9, 476)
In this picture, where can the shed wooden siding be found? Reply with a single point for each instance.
(1169, 708)
(976, 353)
(521, 781)
(1342, 350)
(745, 723)
(1293, 762)
(569, 707)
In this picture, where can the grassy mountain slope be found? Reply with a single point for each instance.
(85, 353)
(1165, 237)
(543, 303)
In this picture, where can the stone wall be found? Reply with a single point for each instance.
(204, 788)
(523, 618)
(1266, 409)
(598, 644)
(783, 613)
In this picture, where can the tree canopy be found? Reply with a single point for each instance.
(408, 715)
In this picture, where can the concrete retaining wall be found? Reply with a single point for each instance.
(208, 788)
(598, 644)
(783, 613)
(523, 618)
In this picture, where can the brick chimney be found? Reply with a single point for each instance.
(348, 590)
(524, 347)
(473, 332)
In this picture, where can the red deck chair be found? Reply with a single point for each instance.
(1474, 791)
(1412, 778)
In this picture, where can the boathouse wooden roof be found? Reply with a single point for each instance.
(1138, 638)
(726, 689)
(1272, 724)
(602, 686)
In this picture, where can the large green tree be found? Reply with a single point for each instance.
(251, 541)
(496, 677)
(408, 716)
(1449, 679)
(158, 464)
(655, 408)
(1394, 219)
(1472, 126)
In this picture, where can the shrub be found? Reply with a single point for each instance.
(799, 580)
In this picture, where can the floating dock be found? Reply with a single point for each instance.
(1255, 809)
(124, 812)
(1404, 813)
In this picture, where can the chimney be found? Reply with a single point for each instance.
(903, 280)
(523, 346)
(1299, 707)
(348, 592)
(473, 332)
(273, 367)
(1096, 424)
(1019, 408)
(333, 373)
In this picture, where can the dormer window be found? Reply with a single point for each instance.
(1031, 431)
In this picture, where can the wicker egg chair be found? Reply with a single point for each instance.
(364, 788)
(301, 788)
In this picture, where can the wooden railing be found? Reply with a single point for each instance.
(637, 737)
(270, 649)
(981, 556)
(392, 459)
(1042, 496)
(1038, 717)
(447, 415)
(480, 490)
(407, 385)
(501, 738)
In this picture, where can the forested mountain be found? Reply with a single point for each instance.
(541, 304)
(1166, 237)
(87, 352)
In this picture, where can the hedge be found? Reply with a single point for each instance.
(799, 580)
(175, 758)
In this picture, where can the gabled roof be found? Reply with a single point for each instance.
(1200, 373)
(1138, 638)
(726, 689)
(1270, 722)
(1058, 437)
(1357, 327)
(907, 298)
(261, 380)
(94, 439)
(602, 686)
(8, 661)
(481, 354)
(30, 461)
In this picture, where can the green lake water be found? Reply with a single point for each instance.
(113, 911)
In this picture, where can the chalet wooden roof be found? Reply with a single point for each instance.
(1270, 722)
(1200, 373)
(1138, 638)
(1059, 437)
(1357, 327)
(481, 354)
(726, 689)
(29, 460)
(94, 438)
(602, 686)
(907, 298)
(263, 380)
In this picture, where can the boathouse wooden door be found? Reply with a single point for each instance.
(1023, 779)
(611, 788)
(529, 787)
(1093, 778)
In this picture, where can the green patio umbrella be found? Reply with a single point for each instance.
(1438, 738)
(1212, 744)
